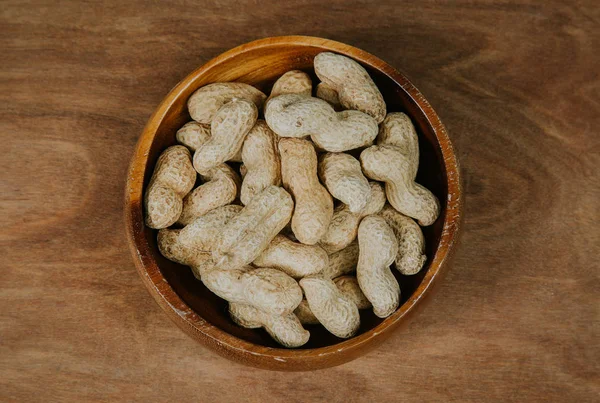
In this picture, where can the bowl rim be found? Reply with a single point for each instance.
(242, 350)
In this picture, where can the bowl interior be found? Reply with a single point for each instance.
(261, 67)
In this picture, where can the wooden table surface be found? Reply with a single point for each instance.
(517, 85)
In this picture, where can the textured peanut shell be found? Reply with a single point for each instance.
(348, 286)
(326, 93)
(342, 176)
(292, 82)
(172, 180)
(171, 247)
(284, 329)
(293, 258)
(378, 249)
(342, 262)
(411, 243)
(337, 313)
(313, 203)
(193, 135)
(219, 189)
(229, 128)
(398, 130)
(249, 233)
(206, 101)
(261, 161)
(355, 88)
(388, 164)
(267, 289)
(201, 233)
(305, 315)
(344, 225)
(293, 115)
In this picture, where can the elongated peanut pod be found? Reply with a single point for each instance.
(200, 234)
(293, 115)
(386, 163)
(344, 225)
(206, 101)
(348, 286)
(193, 135)
(313, 203)
(342, 176)
(326, 93)
(292, 82)
(338, 314)
(220, 188)
(284, 329)
(261, 161)
(249, 233)
(293, 258)
(342, 262)
(229, 128)
(267, 289)
(171, 247)
(378, 248)
(172, 180)
(305, 315)
(355, 88)
(397, 130)
(411, 243)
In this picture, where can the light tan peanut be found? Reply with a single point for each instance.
(326, 93)
(305, 315)
(314, 205)
(342, 176)
(193, 135)
(397, 130)
(206, 101)
(378, 248)
(261, 161)
(243, 171)
(337, 313)
(172, 248)
(293, 258)
(342, 262)
(292, 82)
(355, 88)
(411, 243)
(219, 189)
(388, 164)
(284, 329)
(267, 289)
(293, 115)
(344, 225)
(201, 233)
(348, 286)
(229, 128)
(171, 181)
(249, 233)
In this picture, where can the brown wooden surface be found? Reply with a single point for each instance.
(516, 84)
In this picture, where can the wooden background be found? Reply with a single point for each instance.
(517, 85)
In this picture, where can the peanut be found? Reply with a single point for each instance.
(249, 233)
(314, 205)
(292, 82)
(293, 115)
(344, 225)
(411, 243)
(337, 313)
(206, 101)
(171, 181)
(194, 134)
(304, 314)
(220, 188)
(267, 289)
(293, 258)
(326, 93)
(342, 262)
(342, 176)
(397, 130)
(229, 128)
(261, 161)
(284, 329)
(170, 247)
(388, 164)
(348, 286)
(355, 88)
(378, 248)
(201, 232)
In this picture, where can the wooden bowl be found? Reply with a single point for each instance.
(203, 315)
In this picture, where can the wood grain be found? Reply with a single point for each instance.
(517, 86)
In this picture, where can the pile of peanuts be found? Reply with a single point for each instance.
(301, 232)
